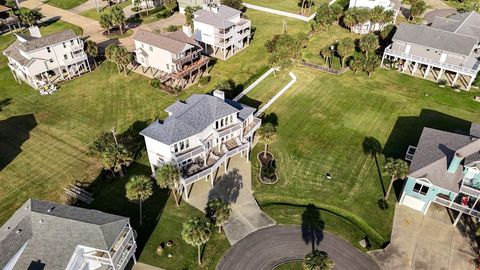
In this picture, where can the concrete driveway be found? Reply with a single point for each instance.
(425, 242)
(269, 247)
(233, 186)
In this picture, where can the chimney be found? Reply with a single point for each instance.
(187, 30)
(219, 94)
(457, 158)
(35, 32)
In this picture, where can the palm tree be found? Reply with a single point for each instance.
(317, 260)
(118, 17)
(345, 48)
(398, 169)
(123, 159)
(417, 8)
(91, 50)
(170, 5)
(376, 15)
(370, 64)
(325, 52)
(196, 232)
(267, 134)
(356, 63)
(369, 43)
(349, 19)
(168, 176)
(218, 212)
(123, 58)
(30, 17)
(139, 188)
(106, 21)
(111, 54)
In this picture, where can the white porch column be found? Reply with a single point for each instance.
(185, 190)
(152, 167)
(474, 204)
(383, 58)
(440, 74)
(415, 67)
(225, 165)
(471, 82)
(211, 179)
(457, 219)
(134, 259)
(455, 79)
(88, 64)
(405, 65)
(427, 71)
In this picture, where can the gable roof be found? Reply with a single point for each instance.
(35, 43)
(46, 230)
(218, 17)
(435, 150)
(436, 38)
(463, 23)
(192, 117)
(174, 42)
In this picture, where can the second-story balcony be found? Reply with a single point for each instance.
(254, 125)
(78, 57)
(188, 57)
(471, 68)
(470, 186)
(462, 203)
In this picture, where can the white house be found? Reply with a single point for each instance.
(147, 4)
(200, 135)
(176, 55)
(40, 61)
(448, 50)
(367, 27)
(45, 235)
(221, 30)
(182, 4)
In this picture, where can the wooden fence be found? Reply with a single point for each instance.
(323, 69)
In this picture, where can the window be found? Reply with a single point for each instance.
(64, 45)
(65, 56)
(168, 67)
(71, 42)
(419, 188)
(187, 144)
(51, 60)
(216, 124)
(231, 118)
(175, 147)
(151, 48)
(182, 146)
(221, 123)
(226, 121)
(48, 49)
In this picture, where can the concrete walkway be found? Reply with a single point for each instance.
(267, 248)
(255, 83)
(234, 186)
(142, 266)
(90, 4)
(425, 242)
(277, 95)
(280, 12)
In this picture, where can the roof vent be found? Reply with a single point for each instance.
(40, 221)
(50, 209)
(18, 231)
(219, 94)
(35, 32)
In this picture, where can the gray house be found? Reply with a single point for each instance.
(449, 49)
(51, 236)
(182, 4)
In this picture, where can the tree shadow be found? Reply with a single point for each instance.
(408, 129)
(132, 139)
(271, 118)
(4, 103)
(312, 226)
(227, 187)
(14, 131)
(373, 147)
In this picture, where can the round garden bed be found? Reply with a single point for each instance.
(267, 173)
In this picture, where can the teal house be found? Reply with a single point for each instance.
(444, 169)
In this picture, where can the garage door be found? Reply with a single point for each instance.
(414, 203)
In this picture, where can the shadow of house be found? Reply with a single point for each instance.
(14, 131)
(312, 226)
(36, 265)
(227, 187)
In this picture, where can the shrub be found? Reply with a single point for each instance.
(203, 81)
(382, 204)
(172, 28)
(442, 82)
(155, 83)
(163, 14)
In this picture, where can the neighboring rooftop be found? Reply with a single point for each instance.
(193, 116)
(219, 16)
(173, 42)
(436, 38)
(435, 150)
(462, 23)
(50, 232)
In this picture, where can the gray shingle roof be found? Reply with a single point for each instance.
(37, 43)
(193, 116)
(435, 38)
(13, 52)
(51, 237)
(173, 42)
(219, 19)
(463, 23)
(435, 150)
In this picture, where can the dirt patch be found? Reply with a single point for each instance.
(267, 173)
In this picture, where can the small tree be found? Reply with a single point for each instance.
(123, 58)
(349, 19)
(11, 4)
(325, 53)
(196, 232)
(218, 212)
(106, 21)
(370, 64)
(118, 17)
(369, 43)
(139, 188)
(170, 5)
(345, 48)
(317, 260)
(111, 54)
(417, 8)
(236, 4)
(110, 154)
(30, 17)
(324, 18)
(356, 63)
(168, 176)
(267, 134)
(189, 14)
(91, 49)
(397, 169)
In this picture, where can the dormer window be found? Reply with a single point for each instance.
(48, 49)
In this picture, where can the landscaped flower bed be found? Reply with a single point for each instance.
(267, 168)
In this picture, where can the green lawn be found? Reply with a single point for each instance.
(292, 6)
(65, 4)
(93, 14)
(295, 265)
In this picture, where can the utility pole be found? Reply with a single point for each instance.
(284, 30)
(114, 137)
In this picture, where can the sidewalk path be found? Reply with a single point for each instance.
(279, 12)
(255, 83)
(281, 92)
(267, 248)
(90, 4)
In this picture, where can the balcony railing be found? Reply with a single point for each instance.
(76, 58)
(456, 206)
(228, 130)
(254, 125)
(469, 187)
(189, 57)
(426, 61)
(191, 153)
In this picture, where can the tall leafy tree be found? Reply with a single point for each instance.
(324, 18)
(170, 5)
(91, 49)
(218, 212)
(236, 4)
(168, 176)
(356, 63)
(345, 48)
(123, 58)
(139, 188)
(369, 43)
(417, 8)
(110, 154)
(111, 54)
(106, 21)
(118, 17)
(267, 134)
(397, 169)
(371, 64)
(196, 232)
(317, 260)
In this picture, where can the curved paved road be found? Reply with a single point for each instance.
(266, 248)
